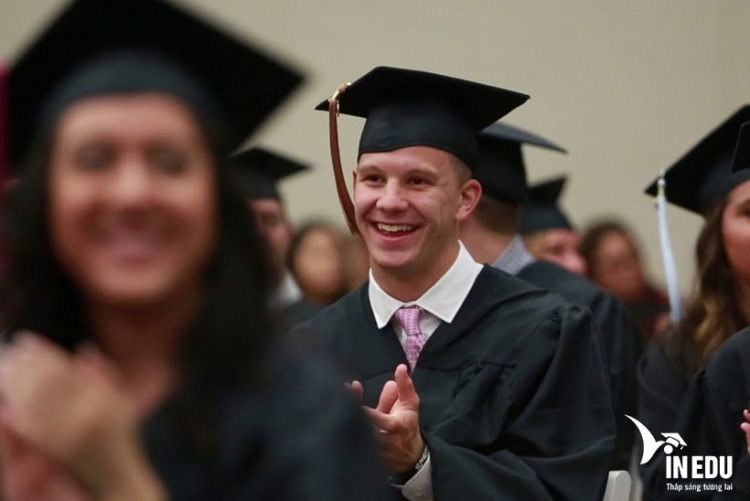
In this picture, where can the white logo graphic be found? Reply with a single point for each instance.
(650, 445)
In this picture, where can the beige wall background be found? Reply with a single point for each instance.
(626, 86)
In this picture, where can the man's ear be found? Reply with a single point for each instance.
(470, 193)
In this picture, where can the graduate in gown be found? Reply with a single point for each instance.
(703, 183)
(142, 362)
(480, 385)
(713, 417)
(491, 235)
(257, 172)
(547, 231)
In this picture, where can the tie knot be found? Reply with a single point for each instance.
(408, 317)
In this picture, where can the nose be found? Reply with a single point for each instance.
(130, 183)
(391, 197)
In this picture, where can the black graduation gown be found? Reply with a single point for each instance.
(515, 399)
(662, 382)
(621, 342)
(302, 437)
(710, 416)
(299, 312)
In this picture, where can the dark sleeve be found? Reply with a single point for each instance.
(713, 421)
(709, 423)
(622, 345)
(710, 417)
(726, 386)
(560, 428)
(660, 394)
(319, 446)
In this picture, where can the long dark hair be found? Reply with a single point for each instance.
(226, 344)
(713, 313)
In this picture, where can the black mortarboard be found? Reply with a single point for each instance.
(406, 108)
(118, 46)
(704, 174)
(541, 211)
(257, 171)
(741, 159)
(501, 170)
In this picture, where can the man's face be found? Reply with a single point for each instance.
(559, 246)
(275, 228)
(408, 205)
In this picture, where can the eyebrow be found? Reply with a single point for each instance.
(420, 168)
(745, 203)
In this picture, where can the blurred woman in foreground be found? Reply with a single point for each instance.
(143, 363)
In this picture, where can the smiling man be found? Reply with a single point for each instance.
(478, 385)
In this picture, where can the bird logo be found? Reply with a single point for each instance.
(650, 445)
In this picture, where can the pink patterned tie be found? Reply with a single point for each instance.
(408, 317)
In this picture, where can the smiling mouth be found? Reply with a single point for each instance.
(395, 229)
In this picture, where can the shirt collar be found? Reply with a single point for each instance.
(514, 258)
(442, 300)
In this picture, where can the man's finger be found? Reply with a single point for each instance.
(380, 420)
(407, 394)
(388, 397)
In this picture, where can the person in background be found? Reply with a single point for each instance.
(316, 260)
(141, 362)
(547, 232)
(479, 385)
(257, 172)
(701, 182)
(491, 234)
(613, 262)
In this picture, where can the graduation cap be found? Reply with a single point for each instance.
(257, 171)
(541, 211)
(501, 170)
(741, 158)
(704, 174)
(406, 108)
(98, 47)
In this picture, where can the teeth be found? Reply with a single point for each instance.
(394, 227)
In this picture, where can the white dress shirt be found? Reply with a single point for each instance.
(440, 303)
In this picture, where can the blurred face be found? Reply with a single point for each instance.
(275, 228)
(318, 263)
(736, 232)
(558, 246)
(617, 267)
(132, 198)
(408, 205)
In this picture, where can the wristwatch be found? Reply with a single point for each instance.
(402, 478)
